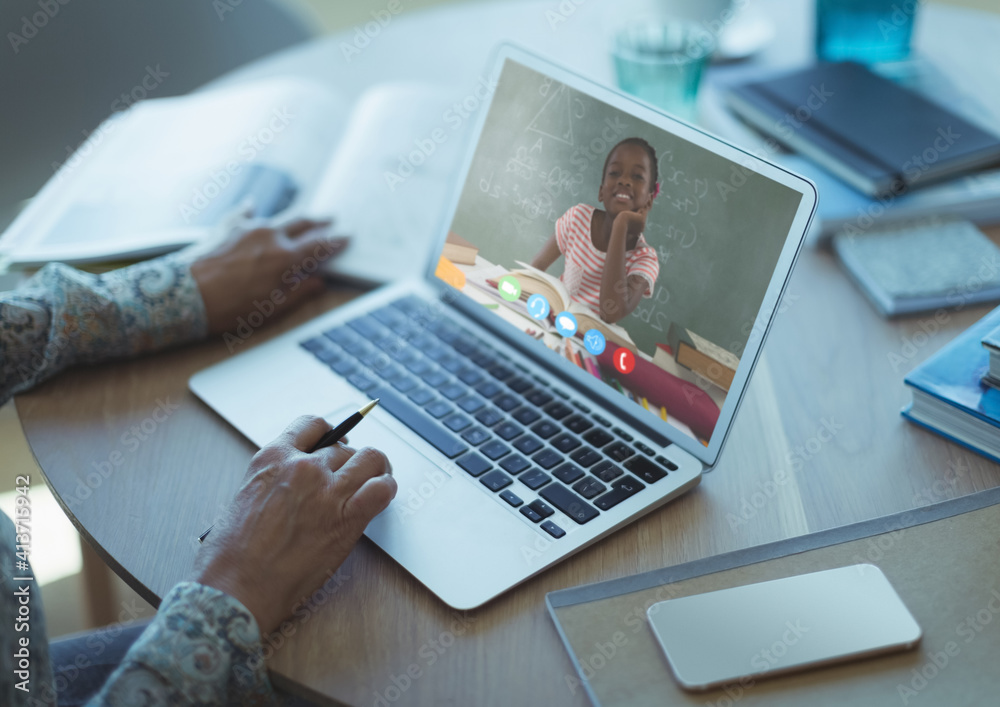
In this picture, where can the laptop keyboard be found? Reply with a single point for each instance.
(520, 437)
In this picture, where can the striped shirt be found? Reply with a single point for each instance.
(585, 263)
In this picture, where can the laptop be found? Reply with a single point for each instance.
(520, 428)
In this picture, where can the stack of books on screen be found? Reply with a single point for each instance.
(953, 391)
(878, 152)
(709, 361)
(922, 265)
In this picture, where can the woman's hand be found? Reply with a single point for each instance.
(275, 268)
(296, 519)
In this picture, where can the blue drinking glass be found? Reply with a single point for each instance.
(662, 62)
(867, 31)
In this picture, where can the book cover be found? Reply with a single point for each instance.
(864, 128)
(923, 265)
(949, 396)
(458, 250)
(701, 356)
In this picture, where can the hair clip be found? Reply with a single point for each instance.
(656, 190)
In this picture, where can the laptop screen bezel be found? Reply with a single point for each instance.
(585, 383)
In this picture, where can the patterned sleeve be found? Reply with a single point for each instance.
(63, 316)
(562, 229)
(646, 265)
(203, 648)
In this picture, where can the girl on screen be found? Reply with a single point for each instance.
(609, 266)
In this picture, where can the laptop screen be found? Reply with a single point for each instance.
(635, 255)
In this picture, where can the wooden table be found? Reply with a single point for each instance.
(818, 443)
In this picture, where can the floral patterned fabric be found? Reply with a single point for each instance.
(204, 646)
(62, 317)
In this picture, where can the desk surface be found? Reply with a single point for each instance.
(818, 443)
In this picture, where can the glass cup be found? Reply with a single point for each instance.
(867, 31)
(661, 62)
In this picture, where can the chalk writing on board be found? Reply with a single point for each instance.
(556, 117)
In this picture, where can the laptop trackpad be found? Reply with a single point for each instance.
(427, 526)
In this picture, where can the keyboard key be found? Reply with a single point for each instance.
(439, 409)
(488, 389)
(474, 464)
(329, 356)
(645, 469)
(541, 508)
(565, 443)
(471, 403)
(464, 346)
(622, 433)
(606, 471)
(507, 402)
(535, 479)
(475, 436)
(546, 458)
(589, 487)
(390, 316)
(419, 367)
(601, 420)
(619, 451)
(341, 335)
(568, 473)
(414, 418)
(581, 407)
(315, 344)
(545, 429)
(645, 449)
(362, 382)
(508, 430)
(435, 379)
(489, 416)
(578, 424)
(526, 415)
(585, 457)
(404, 384)
(367, 326)
(553, 529)
(529, 513)
(557, 410)
(457, 422)
(452, 363)
(495, 449)
(496, 480)
(597, 437)
(528, 444)
(501, 372)
(515, 464)
(667, 463)
(512, 498)
(620, 490)
(421, 396)
(345, 367)
(471, 376)
(519, 384)
(538, 398)
(453, 391)
(569, 503)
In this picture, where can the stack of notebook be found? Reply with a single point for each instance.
(955, 391)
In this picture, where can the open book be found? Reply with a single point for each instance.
(535, 282)
(169, 172)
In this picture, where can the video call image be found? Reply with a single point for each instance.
(631, 253)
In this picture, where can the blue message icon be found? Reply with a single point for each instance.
(594, 341)
(566, 324)
(538, 307)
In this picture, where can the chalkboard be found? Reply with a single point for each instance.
(717, 227)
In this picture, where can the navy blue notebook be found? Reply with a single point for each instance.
(949, 396)
(874, 134)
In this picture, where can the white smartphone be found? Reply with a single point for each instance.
(743, 633)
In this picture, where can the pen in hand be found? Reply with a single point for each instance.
(327, 440)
